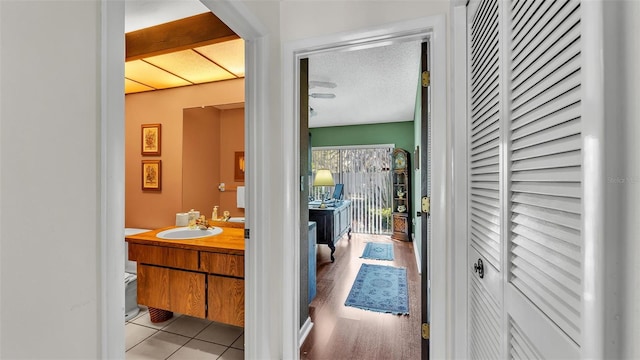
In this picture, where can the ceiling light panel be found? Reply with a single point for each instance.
(150, 75)
(131, 87)
(228, 54)
(190, 65)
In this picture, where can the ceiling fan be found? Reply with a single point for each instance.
(322, 84)
(319, 95)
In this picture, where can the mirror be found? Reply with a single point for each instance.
(211, 137)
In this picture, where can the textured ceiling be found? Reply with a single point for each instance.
(373, 85)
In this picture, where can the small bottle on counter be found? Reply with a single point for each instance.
(193, 216)
(214, 215)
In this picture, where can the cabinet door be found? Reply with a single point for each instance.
(226, 300)
(172, 290)
(344, 219)
(324, 224)
(336, 225)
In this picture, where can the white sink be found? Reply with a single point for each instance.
(184, 233)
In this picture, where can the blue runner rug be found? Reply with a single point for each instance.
(378, 251)
(380, 288)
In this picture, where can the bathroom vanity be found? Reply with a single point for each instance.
(201, 277)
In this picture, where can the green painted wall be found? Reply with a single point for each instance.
(398, 133)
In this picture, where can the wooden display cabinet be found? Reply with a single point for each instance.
(401, 182)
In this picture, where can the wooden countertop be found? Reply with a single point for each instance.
(231, 240)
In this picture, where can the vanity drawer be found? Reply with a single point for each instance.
(164, 256)
(223, 264)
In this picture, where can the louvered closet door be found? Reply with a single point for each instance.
(525, 179)
(485, 194)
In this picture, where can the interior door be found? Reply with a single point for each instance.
(305, 144)
(485, 195)
(425, 191)
(525, 242)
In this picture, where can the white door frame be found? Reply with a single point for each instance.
(433, 28)
(459, 117)
(247, 26)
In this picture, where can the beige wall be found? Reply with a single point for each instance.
(155, 209)
(200, 158)
(210, 139)
(232, 123)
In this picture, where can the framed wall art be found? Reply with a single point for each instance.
(152, 175)
(238, 168)
(151, 139)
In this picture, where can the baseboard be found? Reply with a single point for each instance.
(304, 331)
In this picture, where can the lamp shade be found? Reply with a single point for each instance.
(323, 178)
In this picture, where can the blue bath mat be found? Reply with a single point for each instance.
(380, 288)
(378, 251)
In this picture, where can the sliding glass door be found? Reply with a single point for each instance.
(364, 171)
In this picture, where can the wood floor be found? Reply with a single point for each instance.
(342, 332)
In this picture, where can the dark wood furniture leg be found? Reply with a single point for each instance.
(333, 249)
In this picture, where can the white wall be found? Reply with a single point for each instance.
(290, 21)
(50, 153)
(49, 181)
(305, 19)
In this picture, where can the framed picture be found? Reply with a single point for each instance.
(238, 172)
(151, 175)
(151, 139)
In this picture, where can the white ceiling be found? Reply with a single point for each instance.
(374, 85)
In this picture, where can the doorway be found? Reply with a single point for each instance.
(113, 165)
(209, 114)
(395, 32)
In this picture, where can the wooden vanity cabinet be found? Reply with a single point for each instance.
(170, 289)
(204, 284)
(164, 256)
(226, 300)
(223, 264)
(225, 287)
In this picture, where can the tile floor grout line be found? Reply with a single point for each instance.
(141, 341)
(178, 349)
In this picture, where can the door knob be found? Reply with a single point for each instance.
(479, 268)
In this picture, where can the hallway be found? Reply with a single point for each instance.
(342, 332)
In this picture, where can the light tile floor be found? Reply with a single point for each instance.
(181, 337)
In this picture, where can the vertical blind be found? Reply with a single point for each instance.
(365, 173)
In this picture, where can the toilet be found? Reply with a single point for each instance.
(131, 308)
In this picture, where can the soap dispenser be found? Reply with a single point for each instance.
(214, 215)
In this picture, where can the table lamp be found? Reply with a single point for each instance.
(323, 178)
